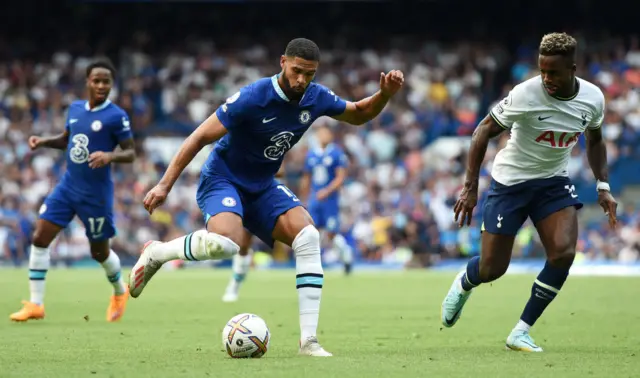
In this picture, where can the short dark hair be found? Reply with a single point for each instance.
(101, 64)
(558, 44)
(303, 48)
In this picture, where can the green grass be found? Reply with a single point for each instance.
(376, 324)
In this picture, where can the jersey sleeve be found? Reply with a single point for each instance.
(598, 116)
(332, 103)
(122, 128)
(234, 111)
(511, 109)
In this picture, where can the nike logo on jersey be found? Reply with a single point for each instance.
(72, 121)
(264, 120)
(541, 118)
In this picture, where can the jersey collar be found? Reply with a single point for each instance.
(280, 92)
(276, 86)
(97, 108)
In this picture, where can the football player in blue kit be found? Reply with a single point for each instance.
(254, 129)
(325, 170)
(93, 130)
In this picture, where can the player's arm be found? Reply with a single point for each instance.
(487, 129)
(597, 154)
(126, 153)
(305, 185)
(336, 183)
(363, 111)
(208, 132)
(58, 142)
(597, 157)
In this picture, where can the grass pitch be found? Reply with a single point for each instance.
(383, 324)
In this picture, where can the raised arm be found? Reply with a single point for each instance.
(363, 111)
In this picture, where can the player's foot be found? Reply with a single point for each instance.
(230, 297)
(311, 347)
(522, 341)
(144, 269)
(454, 302)
(29, 311)
(347, 269)
(117, 307)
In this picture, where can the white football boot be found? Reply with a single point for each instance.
(311, 347)
(454, 302)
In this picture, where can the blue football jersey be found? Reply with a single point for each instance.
(322, 165)
(262, 126)
(99, 129)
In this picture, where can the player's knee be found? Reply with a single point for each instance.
(492, 268)
(41, 238)
(100, 250)
(307, 242)
(562, 258)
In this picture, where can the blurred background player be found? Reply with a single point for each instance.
(546, 115)
(94, 128)
(254, 129)
(324, 174)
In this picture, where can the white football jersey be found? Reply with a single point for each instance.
(543, 128)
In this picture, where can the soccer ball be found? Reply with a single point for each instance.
(246, 336)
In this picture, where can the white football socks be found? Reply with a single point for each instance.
(196, 246)
(340, 244)
(309, 279)
(39, 261)
(114, 273)
(240, 267)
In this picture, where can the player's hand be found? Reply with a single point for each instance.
(155, 197)
(391, 82)
(99, 159)
(463, 208)
(322, 194)
(609, 205)
(34, 142)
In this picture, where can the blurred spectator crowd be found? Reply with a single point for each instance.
(406, 167)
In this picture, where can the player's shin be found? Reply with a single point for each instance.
(39, 261)
(544, 290)
(240, 267)
(114, 273)
(346, 253)
(198, 245)
(309, 279)
(471, 278)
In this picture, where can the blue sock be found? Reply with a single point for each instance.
(545, 288)
(471, 278)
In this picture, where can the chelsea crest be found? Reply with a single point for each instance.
(304, 117)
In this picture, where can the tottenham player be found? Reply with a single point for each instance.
(546, 115)
(324, 174)
(255, 128)
(94, 128)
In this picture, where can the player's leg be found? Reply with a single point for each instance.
(504, 213)
(55, 214)
(240, 267)
(339, 243)
(277, 215)
(221, 204)
(99, 228)
(556, 219)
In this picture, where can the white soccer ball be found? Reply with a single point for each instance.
(246, 336)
